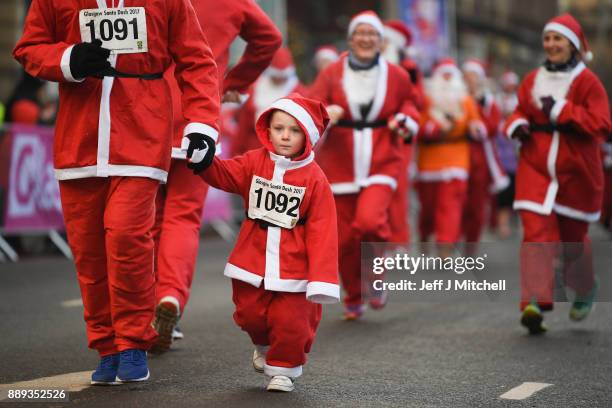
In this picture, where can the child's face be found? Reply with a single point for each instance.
(286, 135)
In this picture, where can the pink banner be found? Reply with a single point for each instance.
(32, 199)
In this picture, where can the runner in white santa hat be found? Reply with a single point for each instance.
(561, 119)
(486, 176)
(449, 119)
(371, 104)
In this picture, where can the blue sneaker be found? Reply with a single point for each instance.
(106, 372)
(133, 366)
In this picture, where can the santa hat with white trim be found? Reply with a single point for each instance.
(570, 28)
(326, 52)
(281, 65)
(476, 66)
(509, 78)
(446, 66)
(398, 33)
(366, 17)
(310, 115)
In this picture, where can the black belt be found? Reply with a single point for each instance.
(360, 125)
(112, 72)
(265, 224)
(550, 128)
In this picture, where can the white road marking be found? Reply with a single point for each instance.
(525, 390)
(73, 303)
(70, 382)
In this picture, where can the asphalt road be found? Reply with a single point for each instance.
(443, 354)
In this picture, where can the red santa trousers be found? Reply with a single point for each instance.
(478, 196)
(362, 217)
(176, 232)
(441, 209)
(108, 222)
(540, 247)
(283, 323)
(398, 210)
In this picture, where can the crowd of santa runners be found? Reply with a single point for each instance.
(320, 167)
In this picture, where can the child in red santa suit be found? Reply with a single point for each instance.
(285, 262)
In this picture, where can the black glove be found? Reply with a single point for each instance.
(201, 152)
(87, 59)
(547, 105)
(521, 133)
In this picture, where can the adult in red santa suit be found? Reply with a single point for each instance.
(371, 103)
(449, 117)
(397, 40)
(561, 120)
(179, 202)
(486, 175)
(113, 139)
(277, 81)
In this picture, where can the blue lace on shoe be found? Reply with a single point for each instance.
(106, 372)
(133, 366)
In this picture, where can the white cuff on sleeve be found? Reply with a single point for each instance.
(412, 126)
(196, 127)
(323, 292)
(556, 110)
(517, 122)
(65, 66)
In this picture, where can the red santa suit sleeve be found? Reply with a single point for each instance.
(195, 72)
(231, 175)
(39, 52)
(263, 39)
(587, 118)
(322, 245)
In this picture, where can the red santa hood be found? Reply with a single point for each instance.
(310, 115)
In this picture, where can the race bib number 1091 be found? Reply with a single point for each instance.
(122, 30)
(276, 203)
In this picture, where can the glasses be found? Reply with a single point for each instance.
(366, 34)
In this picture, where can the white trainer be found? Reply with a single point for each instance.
(280, 383)
(259, 359)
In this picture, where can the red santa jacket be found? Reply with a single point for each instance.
(301, 259)
(560, 167)
(121, 126)
(221, 25)
(483, 153)
(354, 158)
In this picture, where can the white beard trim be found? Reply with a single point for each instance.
(446, 97)
(555, 84)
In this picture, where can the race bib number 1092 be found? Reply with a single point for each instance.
(276, 203)
(122, 30)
